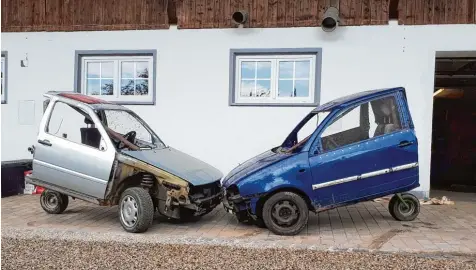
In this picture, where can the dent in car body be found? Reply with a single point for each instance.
(252, 181)
(172, 192)
(274, 171)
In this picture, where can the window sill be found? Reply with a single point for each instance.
(314, 104)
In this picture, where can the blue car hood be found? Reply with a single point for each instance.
(252, 165)
(191, 169)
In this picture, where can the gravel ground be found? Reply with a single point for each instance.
(64, 254)
(56, 249)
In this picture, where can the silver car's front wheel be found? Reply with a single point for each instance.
(136, 210)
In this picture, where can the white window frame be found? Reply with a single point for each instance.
(4, 78)
(274, 98)
(117, 60)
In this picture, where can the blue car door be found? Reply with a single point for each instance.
(366, 150)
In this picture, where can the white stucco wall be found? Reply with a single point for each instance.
(192, 112)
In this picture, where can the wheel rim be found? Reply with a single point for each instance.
(285, 213)
(407, 210)
(50, 201)
(129, 211)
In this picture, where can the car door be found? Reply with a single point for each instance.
(64, 154)
(359, 157)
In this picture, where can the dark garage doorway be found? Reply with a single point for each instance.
(453, 157)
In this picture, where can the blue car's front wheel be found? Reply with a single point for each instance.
(285, 213)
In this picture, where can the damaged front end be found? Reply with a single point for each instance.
(173, 196)
(240, 206)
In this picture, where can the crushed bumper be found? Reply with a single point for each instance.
(198, 202)
(240, 206)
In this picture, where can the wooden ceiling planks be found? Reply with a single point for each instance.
(279, 13)
(422, 12)
(83, 15)
(78, 15)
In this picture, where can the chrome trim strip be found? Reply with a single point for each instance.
(365, 175)
(54, 167)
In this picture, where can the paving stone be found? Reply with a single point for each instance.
(449, 228)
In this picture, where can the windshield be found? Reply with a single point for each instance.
(303, 131)
(132, 128)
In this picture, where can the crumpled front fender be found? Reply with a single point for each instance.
(291, 173)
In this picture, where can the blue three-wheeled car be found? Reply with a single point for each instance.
(355, 148)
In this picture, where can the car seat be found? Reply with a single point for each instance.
(384, 122)
(90, 135)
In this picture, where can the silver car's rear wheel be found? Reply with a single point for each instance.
(53, 202)
(136, 210)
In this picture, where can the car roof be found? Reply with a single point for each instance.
(355, 98)
(94, 103)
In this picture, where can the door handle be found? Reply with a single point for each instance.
(404, 144)
(45, 142)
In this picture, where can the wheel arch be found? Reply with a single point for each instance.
(130, 181)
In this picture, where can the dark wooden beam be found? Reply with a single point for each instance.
(393, 9)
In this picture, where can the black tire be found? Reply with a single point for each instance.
(285, 204)
(391, 205)
(53, 202)
(401, 213)
(136, 210)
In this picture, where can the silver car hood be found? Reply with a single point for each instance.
(179, 164)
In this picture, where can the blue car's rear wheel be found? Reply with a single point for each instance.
(285, 213)
(407, 211)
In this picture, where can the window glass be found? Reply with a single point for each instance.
(275, 78)
(255, 79)
(294, 78)
(118, 78)
(311, 125)
(123, 122)
(70, 123)
(368, 120)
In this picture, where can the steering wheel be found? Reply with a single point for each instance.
(130, 136)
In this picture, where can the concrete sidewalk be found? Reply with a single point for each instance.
(439, 228)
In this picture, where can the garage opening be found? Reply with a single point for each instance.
(453, 157)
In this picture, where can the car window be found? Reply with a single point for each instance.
(123, 122)
(68, 122)
(311, 125)
(362, 122)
